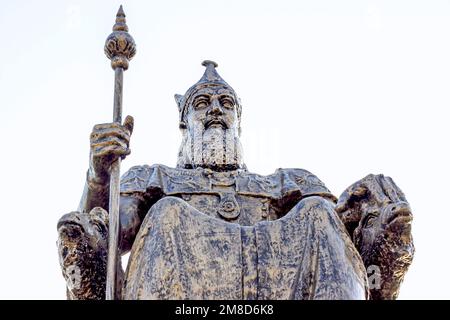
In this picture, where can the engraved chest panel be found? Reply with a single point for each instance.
(242, 209)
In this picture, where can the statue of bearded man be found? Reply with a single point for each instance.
(209, 229)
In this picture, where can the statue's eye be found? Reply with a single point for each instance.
(370, 220)
(201, 103)
(227, 103)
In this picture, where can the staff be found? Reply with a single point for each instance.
(119, 48)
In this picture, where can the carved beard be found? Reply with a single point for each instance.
(215, 148)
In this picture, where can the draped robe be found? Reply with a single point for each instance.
(238, 235)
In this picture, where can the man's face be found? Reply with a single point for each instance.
(214, 108)
(211, 137)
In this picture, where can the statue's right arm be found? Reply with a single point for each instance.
(83, 234)
(108, 142)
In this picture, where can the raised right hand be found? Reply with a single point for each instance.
(108, 142)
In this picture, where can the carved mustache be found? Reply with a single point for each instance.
(213, 121)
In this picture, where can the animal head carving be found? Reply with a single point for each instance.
(82, 247)
(378, 217)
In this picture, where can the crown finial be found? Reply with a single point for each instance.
(211, 75)
(207, 63)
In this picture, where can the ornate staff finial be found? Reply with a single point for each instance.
(121, 22)
(120, 46)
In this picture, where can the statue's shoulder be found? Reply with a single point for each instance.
(140, 178)
(300, 175)
(300, 179)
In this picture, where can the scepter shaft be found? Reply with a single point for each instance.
(120, 48)
(118, 89)
(114, 196)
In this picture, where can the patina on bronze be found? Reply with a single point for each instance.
(210, 229)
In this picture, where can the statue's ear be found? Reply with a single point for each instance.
(179, 99)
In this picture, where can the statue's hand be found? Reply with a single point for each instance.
(108, 142)
(82, 248)
(377, 215)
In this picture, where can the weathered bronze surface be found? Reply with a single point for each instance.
(210, 229)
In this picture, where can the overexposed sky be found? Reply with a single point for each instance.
(340, 88)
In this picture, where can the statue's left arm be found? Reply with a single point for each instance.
(378, 218)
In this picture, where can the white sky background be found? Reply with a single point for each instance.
(340, 88)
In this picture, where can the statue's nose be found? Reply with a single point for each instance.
(216, 108)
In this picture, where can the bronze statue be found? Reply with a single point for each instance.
(210, 229)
